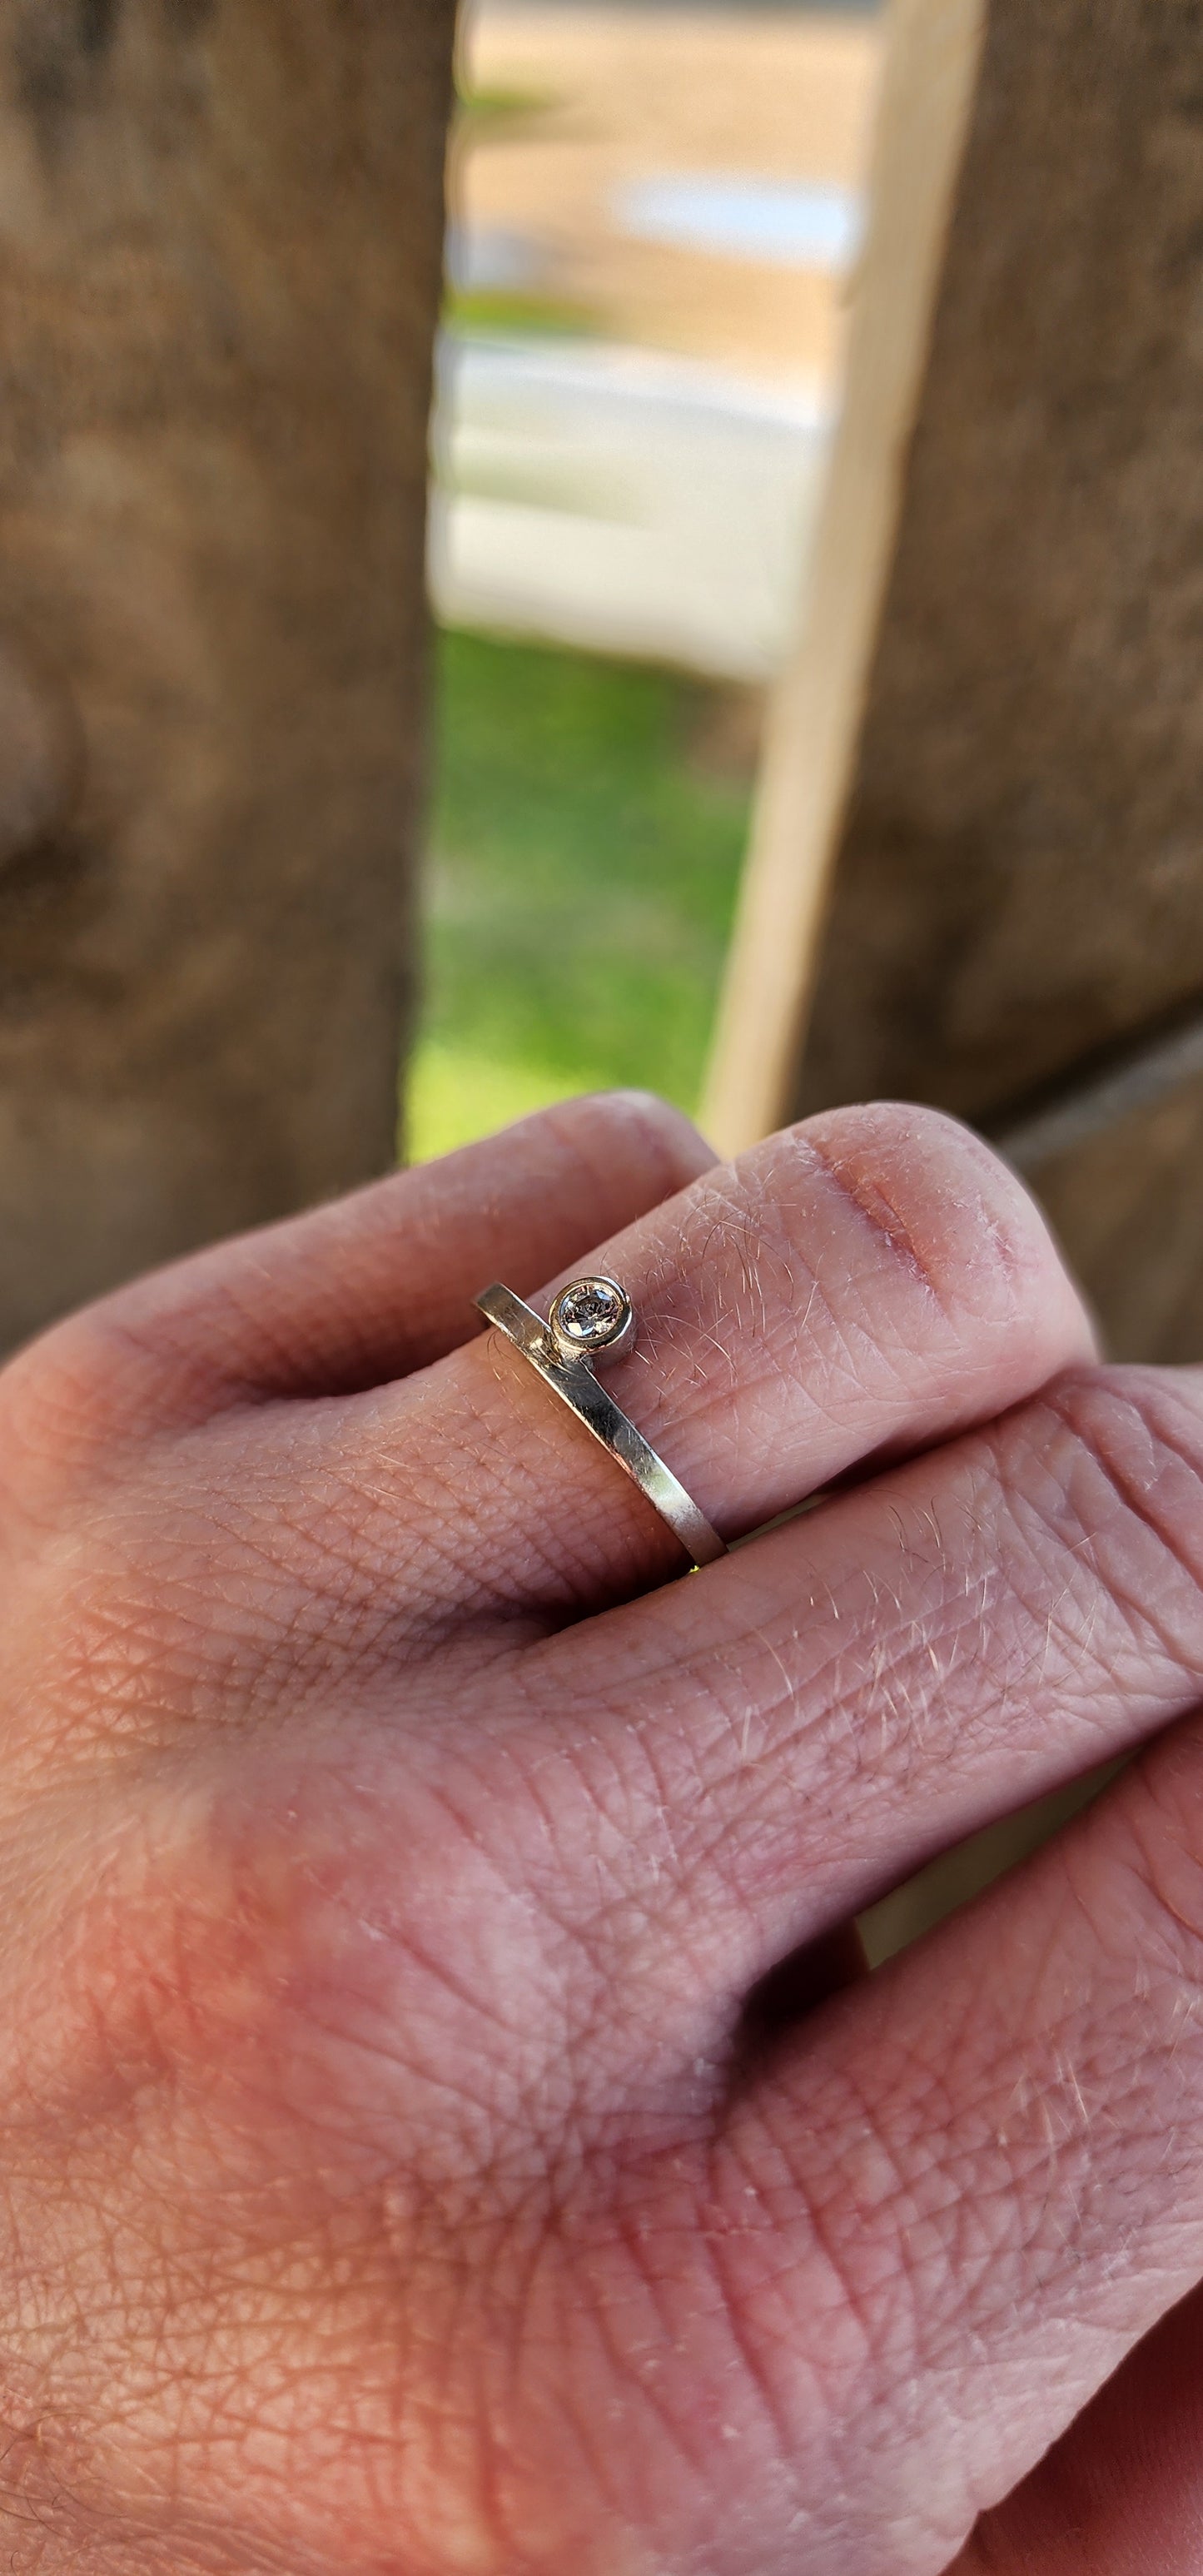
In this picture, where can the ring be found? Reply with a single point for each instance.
(594, 1319)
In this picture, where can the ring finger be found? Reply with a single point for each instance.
(862, 1285)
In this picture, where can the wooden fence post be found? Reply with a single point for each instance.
(1015, 919)
(220, 242)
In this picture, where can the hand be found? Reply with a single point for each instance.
(419, 2155)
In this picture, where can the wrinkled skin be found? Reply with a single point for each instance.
(408, 2170)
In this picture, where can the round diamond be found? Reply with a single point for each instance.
(590, 1314)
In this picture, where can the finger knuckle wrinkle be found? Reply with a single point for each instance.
(1130, 1481)
(946, 1215)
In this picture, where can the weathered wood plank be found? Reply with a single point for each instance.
(1126, 1201)
(1016, 864)
(1020, 878)
(219, 264)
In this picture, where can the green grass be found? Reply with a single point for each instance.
(585, 854)
(481, 105)
(511, 310)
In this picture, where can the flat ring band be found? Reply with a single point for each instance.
(594, 1319)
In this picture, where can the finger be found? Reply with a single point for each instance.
(1121, 2494)
(874, 1278)
(870, 1684)
(373, 1286)
(976, 2183)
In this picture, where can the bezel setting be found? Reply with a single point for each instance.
(592, 1319)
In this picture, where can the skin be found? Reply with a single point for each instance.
(445, 2130)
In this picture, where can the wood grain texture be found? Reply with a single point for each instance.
(1020, 880)
(220, 238)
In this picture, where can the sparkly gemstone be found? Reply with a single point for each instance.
(590, 1314)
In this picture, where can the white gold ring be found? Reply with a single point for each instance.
(593, 1319)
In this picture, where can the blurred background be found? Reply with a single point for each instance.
(654, 216)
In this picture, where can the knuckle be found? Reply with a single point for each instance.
(945, 1209)
(255, 1946)
(1125, 1482)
